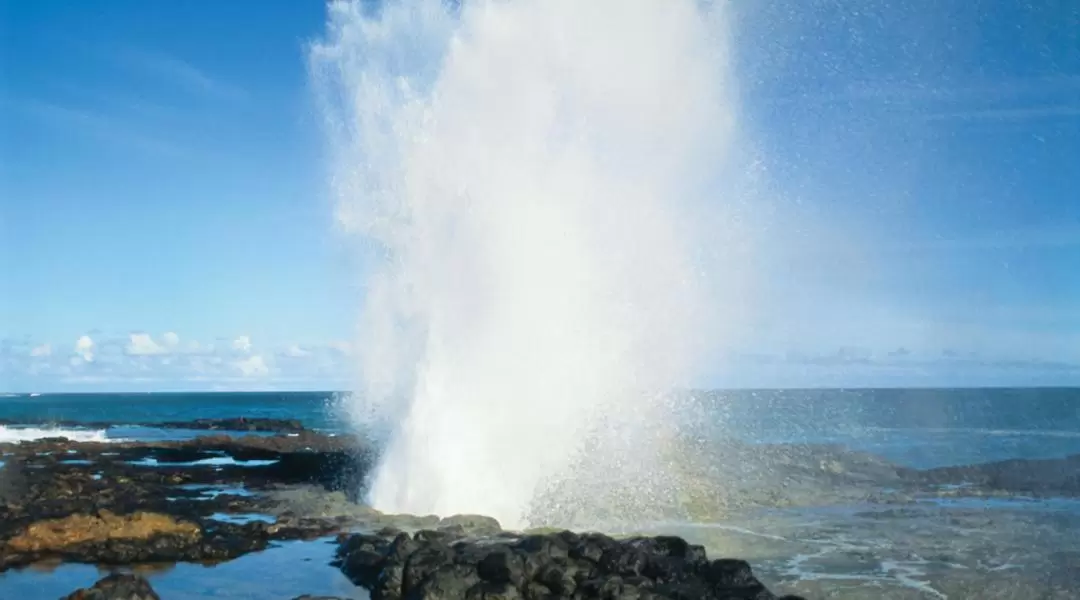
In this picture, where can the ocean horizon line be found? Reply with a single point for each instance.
(712, 390)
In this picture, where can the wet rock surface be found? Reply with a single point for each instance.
(134, 502)
(131, 539)
(713, 481)
(917, 552)
(57, 534)
(1059, 476)
(212, 498)
(442, 563)
(117, 587)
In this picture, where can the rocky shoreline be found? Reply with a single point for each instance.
(128, 502)
(225, 424)
(220, 496)
(445, 563)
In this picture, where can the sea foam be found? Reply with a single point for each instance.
(15, 434)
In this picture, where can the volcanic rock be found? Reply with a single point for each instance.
(105, 538)
(432, 565)
(470, 525)
(54, 535)
(116, 587)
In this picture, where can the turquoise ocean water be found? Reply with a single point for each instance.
(920, 428)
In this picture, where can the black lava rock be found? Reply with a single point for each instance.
(117, 587)
(440, 566)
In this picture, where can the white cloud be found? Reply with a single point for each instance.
(253, 366)
(84, 347)
(296, 351)
(342, 347)
(141, 344)
(168, 360)
(242, 343)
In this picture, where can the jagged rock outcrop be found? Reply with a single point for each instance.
(116, 587)
(442, 564)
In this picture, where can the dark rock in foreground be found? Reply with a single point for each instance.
(117, 587)
(440, 565)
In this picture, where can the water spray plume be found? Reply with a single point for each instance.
(538, 185)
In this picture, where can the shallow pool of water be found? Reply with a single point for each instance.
(289, 570)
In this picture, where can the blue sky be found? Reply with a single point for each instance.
(163, 197)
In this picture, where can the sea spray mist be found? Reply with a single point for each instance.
(538, 187)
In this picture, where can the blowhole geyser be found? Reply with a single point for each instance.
(538, 188)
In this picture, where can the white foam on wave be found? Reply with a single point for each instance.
(14, 434)
(910, 574)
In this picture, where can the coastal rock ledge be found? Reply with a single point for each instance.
(447, 564)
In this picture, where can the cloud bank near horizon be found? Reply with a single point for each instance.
(141, 361)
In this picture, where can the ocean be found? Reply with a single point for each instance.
(933, 548)
(920, 428)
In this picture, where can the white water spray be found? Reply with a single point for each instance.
(536, 182)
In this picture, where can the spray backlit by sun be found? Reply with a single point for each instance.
(535, 182)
